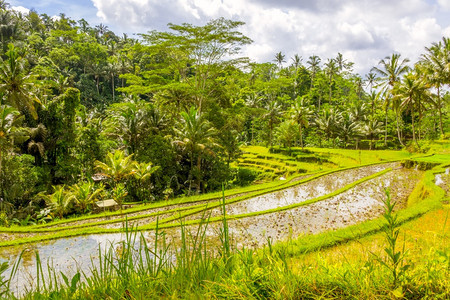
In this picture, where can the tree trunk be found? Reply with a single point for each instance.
(385, 128)
(413, 129)
(113, 88)
(199, 177)
(398, 131)
(440, 112)
(301, 135)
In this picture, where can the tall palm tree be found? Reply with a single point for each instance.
(280, 59)
(296, 62)
(287, 133)
(314, 67)
(18, 84)
(331, 69)
(436, 65)
(411, 93)
(272, 114)
(195, 134)
(300, 113)
(10, 121)
(371, 80)
(130, 122)
(390, 70)
(327, 122)
(371, 128)
(374, 98)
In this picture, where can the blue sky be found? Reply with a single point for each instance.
(364, 31)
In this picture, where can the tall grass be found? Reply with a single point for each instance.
(189, 268)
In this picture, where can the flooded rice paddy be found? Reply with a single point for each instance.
(360, 203)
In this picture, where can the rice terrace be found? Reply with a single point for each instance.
(169, 165)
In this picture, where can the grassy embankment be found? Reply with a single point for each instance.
(349, 159)
(312, 267)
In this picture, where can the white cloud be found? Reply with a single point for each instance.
(444, 4)
(364, 31)
(21, 9)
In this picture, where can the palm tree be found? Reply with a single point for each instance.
(273, 112)
(327, 122)
(287, 132)
(436, 64)
(10, 121)
(342, 63)
(296, 62)
(371, 80)
(129, 121)
(142, 173)
(279, 59)
(117, 166)
(411, 93)
(371, 128)
(300, 113)
(60, 200)
(313, 62)
(195, 134)
(35, 144)
(84, 195)
(390, 70)
(17, 84)
(374, 98)
(348, 128)
(331, 69)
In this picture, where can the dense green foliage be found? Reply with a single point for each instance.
(166, 114)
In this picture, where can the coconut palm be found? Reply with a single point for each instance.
(85, 194)
(371, 129)
(331, 69)
(327, 122)
(273, 113)
(10, 121)
(129, 122)
(280, 59)
(296, 62)
(195, 134)
(60, 200)
(348, 128)
(313, 62)
(287, 132)
(16, 83)
(117, 166)
(142, 173)
(371, 80)
(390, 70)
(300, 113)
(436, 67)
(412, 92)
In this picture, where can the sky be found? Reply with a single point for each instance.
(364, 31)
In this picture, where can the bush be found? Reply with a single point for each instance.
(244, 176)
(18, 179)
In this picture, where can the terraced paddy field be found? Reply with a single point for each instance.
(330, 191)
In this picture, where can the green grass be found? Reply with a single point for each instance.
(182, 212)
(436, 158)
(333, 268)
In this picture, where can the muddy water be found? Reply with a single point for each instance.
(358, 204)
(316, 188)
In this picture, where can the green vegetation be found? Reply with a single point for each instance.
(176, 123)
